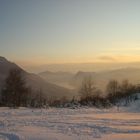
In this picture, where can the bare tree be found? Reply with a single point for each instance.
(15, 92)
(112, 90)
(87, 88)
(112, 87)
(128, 91)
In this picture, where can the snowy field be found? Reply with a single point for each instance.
(68, 124)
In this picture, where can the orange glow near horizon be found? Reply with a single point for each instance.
(99, 59)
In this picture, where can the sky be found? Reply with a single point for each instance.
(37, 32)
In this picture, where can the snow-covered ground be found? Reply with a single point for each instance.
(68, 124)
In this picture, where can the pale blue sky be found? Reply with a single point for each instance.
(61, 31)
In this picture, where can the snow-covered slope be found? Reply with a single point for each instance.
(68, 124)
(133, 107)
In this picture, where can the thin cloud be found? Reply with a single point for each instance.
(106, 58)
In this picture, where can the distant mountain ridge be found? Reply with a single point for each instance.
(33, 80)
(60, 78)
(101, 78)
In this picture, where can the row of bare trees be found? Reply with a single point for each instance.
(16, 93)
(123, 92)
(116, 93)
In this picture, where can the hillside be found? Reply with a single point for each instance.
(32, 80)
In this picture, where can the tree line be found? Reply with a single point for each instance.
(116, 93)
(16, 93)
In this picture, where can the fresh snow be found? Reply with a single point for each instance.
(69, 124)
